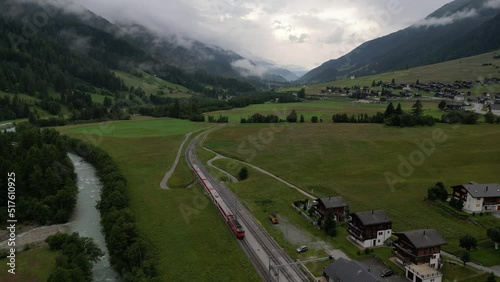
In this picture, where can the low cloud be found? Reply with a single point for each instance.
(247, 68)
(298, 39)
(448, 19)
(495, 4)
(77, 43)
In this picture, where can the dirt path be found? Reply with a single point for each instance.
(495, 269)
(217, 157)
(267, 173)
(36, 235)
(163, 183)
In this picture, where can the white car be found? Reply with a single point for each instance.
(302, 249)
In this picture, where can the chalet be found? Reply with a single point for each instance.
(460, 97)
(478, 197)
(335, 206)
(494, 109)
(453, 106)
(422, 246)
(420, 252)
(370, 228)
(349, 271)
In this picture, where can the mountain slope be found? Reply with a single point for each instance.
(444, 35)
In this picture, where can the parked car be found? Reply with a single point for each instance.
(302, 249)
(387, 273)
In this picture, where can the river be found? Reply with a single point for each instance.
(86, 218)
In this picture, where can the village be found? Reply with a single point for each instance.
(417, 252)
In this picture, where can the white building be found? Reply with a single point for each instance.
(478, 197)
(423, 273)
(370, 228)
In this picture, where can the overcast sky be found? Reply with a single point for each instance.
(288, 32)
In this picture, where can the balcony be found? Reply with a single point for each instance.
(355, 231)
(423, 271)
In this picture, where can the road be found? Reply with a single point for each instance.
(478, 108)
(263, 251)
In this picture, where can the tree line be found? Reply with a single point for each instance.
(131, 254)
(45, 178)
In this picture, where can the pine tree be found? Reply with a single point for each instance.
(389, 111)
(417, 110)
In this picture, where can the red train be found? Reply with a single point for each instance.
(231, 220)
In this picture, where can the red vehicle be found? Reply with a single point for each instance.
(236, 227)
(226, 213)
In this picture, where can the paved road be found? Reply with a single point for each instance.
(163, 183)
(261, 248)
(478, 108)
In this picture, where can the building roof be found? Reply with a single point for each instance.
(495, 107)
(422, 238)
(452, 103)
(350, 271)
(482, 190)
(373, 217)
(333, 202)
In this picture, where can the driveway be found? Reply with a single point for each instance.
(377, 266)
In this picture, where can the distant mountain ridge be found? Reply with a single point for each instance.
(458, 29)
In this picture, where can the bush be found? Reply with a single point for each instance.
(243, 174)
(314, 119)
(367, 251)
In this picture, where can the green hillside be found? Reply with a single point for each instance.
(152, 84)
(465, 69)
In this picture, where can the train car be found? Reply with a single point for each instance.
(226, 213)
(236, 227)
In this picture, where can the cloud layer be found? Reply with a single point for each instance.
(290, 32)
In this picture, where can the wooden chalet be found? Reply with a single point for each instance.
(422, 246)
(370, 228)
(335, 206)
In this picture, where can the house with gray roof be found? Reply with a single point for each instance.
(343, 270)
(494, 109)
(370, 228)
(331, 206)
(419, 251)
(478, 197)
(422, 246)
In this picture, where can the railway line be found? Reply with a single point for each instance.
(269, 260)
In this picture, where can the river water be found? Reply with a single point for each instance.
(86, 217)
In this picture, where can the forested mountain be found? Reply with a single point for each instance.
(459, 29)
(69, 54)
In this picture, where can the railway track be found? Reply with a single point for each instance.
(263, 251)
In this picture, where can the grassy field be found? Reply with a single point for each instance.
(197, 248)
(468, 69)
(352, 160)
(153, 84)
(139, 127)
(323, 109)
(32, 265)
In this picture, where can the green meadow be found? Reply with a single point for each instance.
(191, 240)
(323, 109)
(352, 160)
(137, 128)
(152, 84)
(35, 264)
